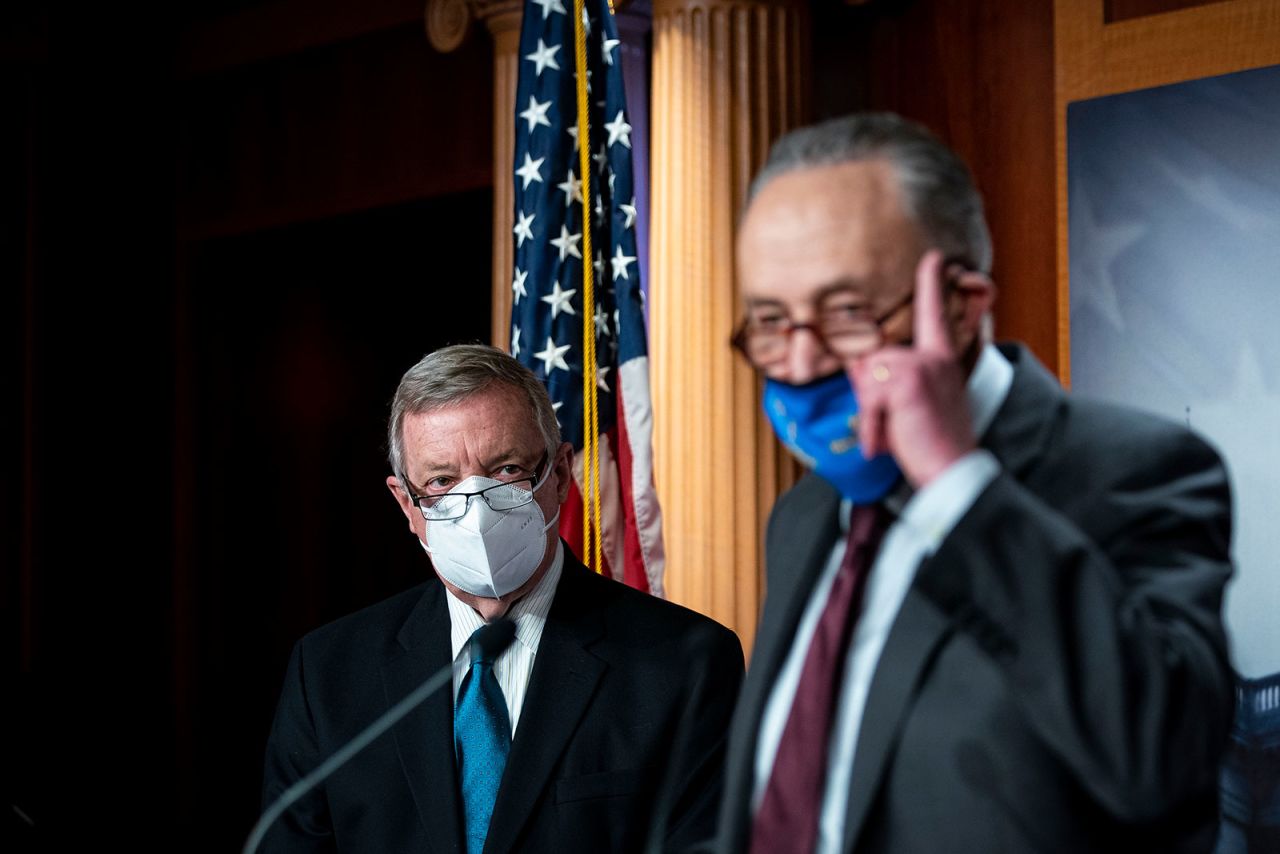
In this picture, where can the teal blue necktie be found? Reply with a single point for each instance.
(481, 739)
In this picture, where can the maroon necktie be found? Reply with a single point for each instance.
(787, 820)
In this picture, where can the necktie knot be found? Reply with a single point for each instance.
(478, 655)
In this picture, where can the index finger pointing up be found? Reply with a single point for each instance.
(931, 333)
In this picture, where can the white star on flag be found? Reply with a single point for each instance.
(549, 6)
(573, 132)
(543, 57)
(552, 357)
(572, 189)
(523, 229)
(601, 370)
(567, 243)
(559, 300)
(530, 171)
(620, 262)
(536, 114)
(517, 284)
(599, 263)
(607, 50)
(630, 212)
(602, 321)
(619, 130)
(515, 342)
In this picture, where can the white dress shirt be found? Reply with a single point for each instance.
(922, 523)
(515, 664)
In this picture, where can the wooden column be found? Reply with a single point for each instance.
(728, 78)
(502, 18)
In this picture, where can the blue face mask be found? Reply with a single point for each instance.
(818, 422)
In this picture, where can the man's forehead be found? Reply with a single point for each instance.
(848, 191)
(818, 228)
(496, 420)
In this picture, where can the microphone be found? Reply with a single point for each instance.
(492, 639)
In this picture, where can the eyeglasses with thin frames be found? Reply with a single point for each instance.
(507, 495)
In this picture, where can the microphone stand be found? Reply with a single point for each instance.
(492, 638)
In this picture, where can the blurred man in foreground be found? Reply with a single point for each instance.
(993, 615)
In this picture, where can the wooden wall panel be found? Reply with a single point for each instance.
(980, 75)
(1123, 10)
(358, 125)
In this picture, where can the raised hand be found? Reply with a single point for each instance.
(912, 398)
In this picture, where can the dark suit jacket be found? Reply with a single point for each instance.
(1057, 678)
(619, 676)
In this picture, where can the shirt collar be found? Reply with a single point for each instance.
(987, 388)
(529, 613)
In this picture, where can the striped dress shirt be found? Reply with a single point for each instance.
(515, 664)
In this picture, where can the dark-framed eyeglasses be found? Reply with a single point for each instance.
(846, 329)
(847, 332)
(507, 495)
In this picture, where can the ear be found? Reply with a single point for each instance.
(563, 468)
(411, 513)
(974, 297)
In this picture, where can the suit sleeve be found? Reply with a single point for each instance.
(696, 773)
(1097, 589)
(292, 752)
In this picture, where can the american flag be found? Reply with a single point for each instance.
(547, 305)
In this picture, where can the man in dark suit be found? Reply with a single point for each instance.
(995, 625)
(602, 723)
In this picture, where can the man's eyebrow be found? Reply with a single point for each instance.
(509, 454)
(850, 285)
(846, 285)
(489, 463)
(428, 472)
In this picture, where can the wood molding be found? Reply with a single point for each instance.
(285, 27)
(1094, 58)
(728, 78)
(448, 23)
(503, 19)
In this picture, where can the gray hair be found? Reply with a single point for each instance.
(452, 374)
(938, 188)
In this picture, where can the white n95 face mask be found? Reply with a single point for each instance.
(489, 552)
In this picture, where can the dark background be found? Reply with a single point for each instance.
(226, 228)
(219, 254)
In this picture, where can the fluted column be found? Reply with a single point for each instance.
(502, 19)
(729, 76)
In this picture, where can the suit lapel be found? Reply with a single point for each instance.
(1016, 438)
(916, 633)
(424, 739)
(1022, 428)
(805, 539)
(561, 686)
